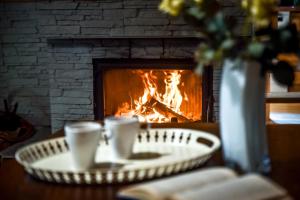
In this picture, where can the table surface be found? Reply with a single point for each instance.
(15, 184)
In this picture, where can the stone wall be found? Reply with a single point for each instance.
(53, 83)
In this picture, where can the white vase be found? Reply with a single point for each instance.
(242, 116)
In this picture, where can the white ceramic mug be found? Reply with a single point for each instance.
(122, 132)
(83, 139)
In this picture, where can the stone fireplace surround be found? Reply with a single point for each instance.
(75, 78)
(48, 48)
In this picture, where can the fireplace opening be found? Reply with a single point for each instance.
(153, 90)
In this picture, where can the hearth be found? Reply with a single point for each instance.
(154, 90)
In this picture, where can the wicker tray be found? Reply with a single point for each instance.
(157, 153)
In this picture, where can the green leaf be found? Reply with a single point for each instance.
(209, 54)
(217, 24)
(256, 49)
(199, 69)
(218, 55)
(227, 44)
(196, 13)
(285, 35)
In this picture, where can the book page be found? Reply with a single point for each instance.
(249, 187)
(160, 189)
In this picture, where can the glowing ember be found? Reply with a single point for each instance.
(154, 106)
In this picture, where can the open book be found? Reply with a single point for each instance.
(210, 184)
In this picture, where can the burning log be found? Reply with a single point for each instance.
(165, 110)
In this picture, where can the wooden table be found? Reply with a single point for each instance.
(15, 184)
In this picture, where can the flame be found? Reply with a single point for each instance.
(148, 107)
(172, 96)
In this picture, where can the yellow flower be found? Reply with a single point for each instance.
(173, 7)
(260, 11)
(245, 4)
(198, 1)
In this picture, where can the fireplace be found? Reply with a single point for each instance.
(154, 90)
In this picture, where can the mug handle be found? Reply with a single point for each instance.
(105, 136)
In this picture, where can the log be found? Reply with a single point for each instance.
(165, 110)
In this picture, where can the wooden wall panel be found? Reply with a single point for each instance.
(293, 108)
(296, 86)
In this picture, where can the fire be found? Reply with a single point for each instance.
(172, 96)
(154, 106)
